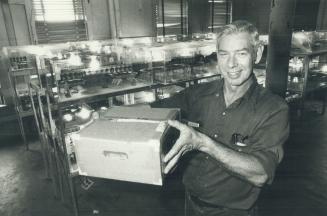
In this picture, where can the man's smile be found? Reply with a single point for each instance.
(234, 74)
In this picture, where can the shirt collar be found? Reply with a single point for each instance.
(217, 87)
(250, 94)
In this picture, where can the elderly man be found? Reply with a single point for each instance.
(235, 131)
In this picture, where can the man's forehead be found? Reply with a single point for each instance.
(236, 34)
(235, 41)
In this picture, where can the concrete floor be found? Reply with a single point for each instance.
(299, 189)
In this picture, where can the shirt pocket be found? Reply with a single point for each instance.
(240, 139)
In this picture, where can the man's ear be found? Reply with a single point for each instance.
(259, 54)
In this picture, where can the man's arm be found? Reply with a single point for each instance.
(256, 165)
(244, 165)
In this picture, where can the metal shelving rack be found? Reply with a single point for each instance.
(48, 102)
(60, 148)
(312, 78)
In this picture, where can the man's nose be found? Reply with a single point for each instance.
(232, 61)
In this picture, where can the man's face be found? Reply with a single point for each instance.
(235, 58)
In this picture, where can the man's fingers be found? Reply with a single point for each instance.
(172, 162)
(173, 151)
(177, 125)
(179, 147)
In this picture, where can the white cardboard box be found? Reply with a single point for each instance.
(126, 143)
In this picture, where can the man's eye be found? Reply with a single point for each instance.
(222, 54)
(242, 53)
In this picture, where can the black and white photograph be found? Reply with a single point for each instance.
(163, 107)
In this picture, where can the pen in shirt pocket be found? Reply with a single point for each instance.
(190, 123)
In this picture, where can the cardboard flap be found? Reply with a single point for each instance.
(148, 113)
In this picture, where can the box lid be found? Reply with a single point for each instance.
(144, 112)
(123, 131)
(130, 124)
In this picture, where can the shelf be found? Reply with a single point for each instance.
(22, 71)
(161, 85)
(313, 80)
(99, 93)
(300, 53)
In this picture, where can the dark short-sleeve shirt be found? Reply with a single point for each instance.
(259, 117)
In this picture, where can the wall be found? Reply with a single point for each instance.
(258, 11)
(198, 16)
(306, 15)
(15, 29)
(255, 11)
(98, 20)
(4, 41)
(120, 18)
(15, 16)
(20, 14)
(322, 16)
(135, 18)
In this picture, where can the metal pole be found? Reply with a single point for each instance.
(227, 11)
(112, 19)
(43, 148)
(163, 18)
(212, 14)
(17, 109)
(69, 176)
(279, 46)
(182, 23)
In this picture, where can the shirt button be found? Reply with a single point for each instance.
(224, 113)
(215, 135)
(217, 95)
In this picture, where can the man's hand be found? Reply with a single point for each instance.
(189, 139)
